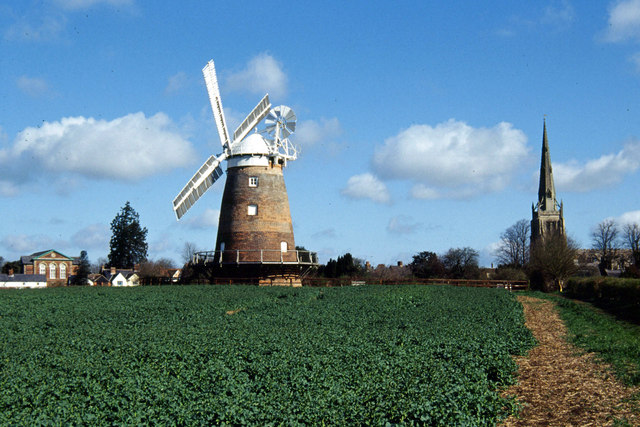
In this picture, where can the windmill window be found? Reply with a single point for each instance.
(253, 181)
(283, 246)
(252, 210)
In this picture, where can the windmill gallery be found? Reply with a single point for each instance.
(255, 234)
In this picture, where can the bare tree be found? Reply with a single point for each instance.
(514, 245)
(632, 240)
(552, 262)
(605, 240)
(461, 263)
(188, 251)
(156, 268)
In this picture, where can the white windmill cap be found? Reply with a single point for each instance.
(252, 144)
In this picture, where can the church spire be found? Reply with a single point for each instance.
(546, 190)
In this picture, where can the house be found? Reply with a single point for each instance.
(11, 280)
(118, 277)
(53, 264)
(98, 279)
(175, 274)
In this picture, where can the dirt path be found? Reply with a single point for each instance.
(559, 387)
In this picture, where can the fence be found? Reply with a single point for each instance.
(514, 285)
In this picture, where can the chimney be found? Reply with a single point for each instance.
(367, 266)
(11, 272)
(399, 263)
(113, 271)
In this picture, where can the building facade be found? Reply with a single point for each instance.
(53, 264)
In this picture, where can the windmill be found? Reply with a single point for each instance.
(254, 230)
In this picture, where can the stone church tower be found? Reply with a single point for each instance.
(547, 218)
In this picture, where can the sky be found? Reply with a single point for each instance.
(419, 122)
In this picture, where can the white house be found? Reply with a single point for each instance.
(124, 278)
(34, 281)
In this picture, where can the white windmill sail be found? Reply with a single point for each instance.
(211, 81)
(208, 173)
(259, 112)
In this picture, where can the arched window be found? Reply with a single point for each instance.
(63, 271)
(42, 268)
(52, 271)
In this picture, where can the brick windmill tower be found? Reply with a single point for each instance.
(255, 234)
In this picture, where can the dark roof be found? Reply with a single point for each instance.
(125, 273)
(28, 259)
(23, 278)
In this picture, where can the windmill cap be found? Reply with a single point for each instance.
(252, 144)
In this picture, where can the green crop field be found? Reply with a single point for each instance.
(247, 355)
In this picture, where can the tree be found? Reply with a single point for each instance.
(461, 263)
(99, 264)
(1, 261)
(156, 268)
(632, 241)
(604, 239)
(345, 265)
(188, 251)
(426, 264)
(84, 268)
(16, 266)
(513, 250)
(552, 262)
(129, 241)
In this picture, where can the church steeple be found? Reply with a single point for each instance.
(546, 190)
(547, 214)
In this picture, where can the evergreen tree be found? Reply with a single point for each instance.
(84, 268)
(128, 245)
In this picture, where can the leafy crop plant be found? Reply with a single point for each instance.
(246, 355)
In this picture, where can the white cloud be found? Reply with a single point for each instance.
(327, 233)
(421, 191)
(176, 83)
(33, 86)
(125, 149)
(312, 132)
(402, 224)
(206, 220)
(263, 74)
(635, 60)
(452, 159)
(48, 28)
(23, 244)
(367, 186)
(559, 16)
(599, 173)
(624, 21)
(632, 217)
(94, 236)
(85, 4)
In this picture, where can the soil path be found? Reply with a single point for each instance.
(559, 386)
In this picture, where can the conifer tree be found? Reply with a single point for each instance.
(84, 268)
(128, 245)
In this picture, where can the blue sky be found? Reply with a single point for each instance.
(419, 123)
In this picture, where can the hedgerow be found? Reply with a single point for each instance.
(616, 295)
(248, 355)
